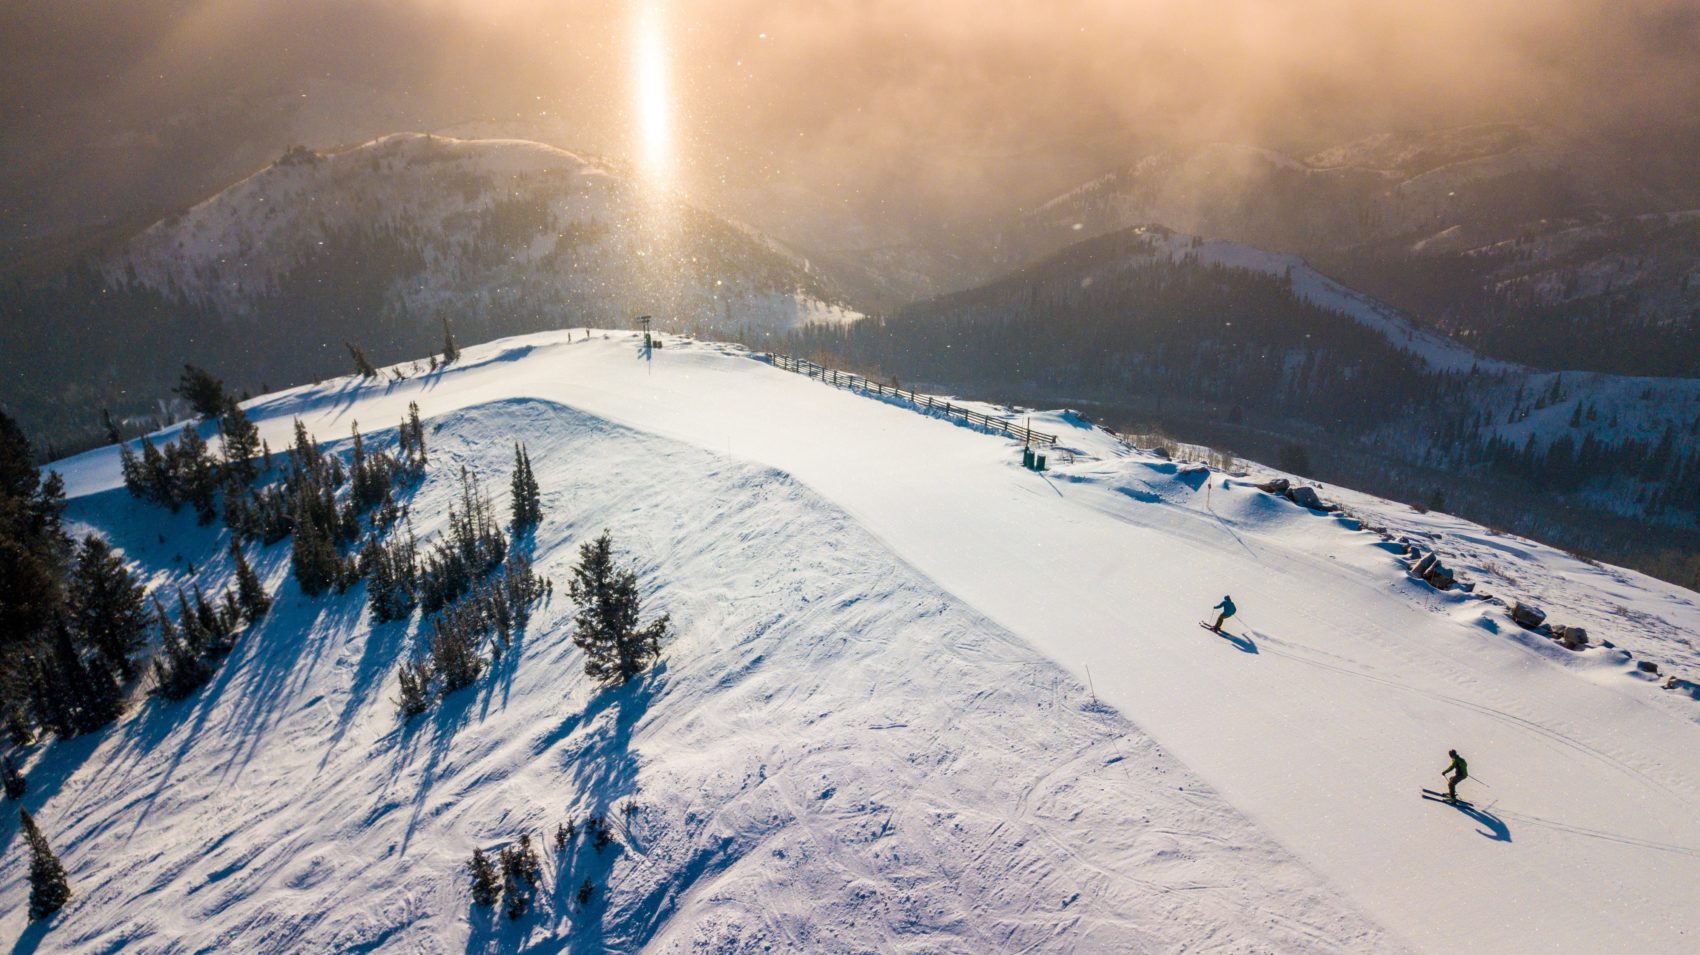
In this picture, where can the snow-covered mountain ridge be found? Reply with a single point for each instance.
(502, 224)
(1529, 243)
(920, 699)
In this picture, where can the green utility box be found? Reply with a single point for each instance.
(1027, 458)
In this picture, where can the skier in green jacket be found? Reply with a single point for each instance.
(1227, 608)
(1458, 770)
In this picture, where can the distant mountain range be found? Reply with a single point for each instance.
(1537, 247)
(1233, 346)
(380, 244)
(1457, 286)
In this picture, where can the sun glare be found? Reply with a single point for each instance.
(654, 122)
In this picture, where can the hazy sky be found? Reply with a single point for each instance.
(885, 109)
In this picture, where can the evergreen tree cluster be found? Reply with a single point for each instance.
(317, 500)
(12, 779)
(526, 498)
(72, 617)
(311, 503)
(204, 631)
(491, 616)
(185, 471)
(471, 549)
(486, 881)
(516, 872)
(391, 569)
(522, 873)
(607, 626)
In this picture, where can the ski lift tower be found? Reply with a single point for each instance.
(648, 343)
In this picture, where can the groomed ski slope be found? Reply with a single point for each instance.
(1336, 702)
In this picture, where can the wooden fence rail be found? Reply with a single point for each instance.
(928, 403)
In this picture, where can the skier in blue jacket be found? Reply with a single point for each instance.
(1227, 608)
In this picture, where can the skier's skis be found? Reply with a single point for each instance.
(1442, 797)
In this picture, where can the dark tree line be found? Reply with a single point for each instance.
(1219, 355)
(1182, 330)
(72, 617)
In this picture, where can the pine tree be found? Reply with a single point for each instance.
(108, 606)
(585, 891)
(157, 482)
(414, 696)
(314, 559)
(606, 625)
(179, 669)
(195, 636)
(526, 865)
(194, 478)
(88, 695)
(451, 351)
(563, 835)
(362, 365)
(204, 393)
(526, 499)
(113, 435)
(473, 547)
(241, 446)
(521, 874)
(416, 447)
(131, 468)
(518, 899)
(250, 593)
(486, 884)
(49, 888)
(419, 434)
(454, 654)
(15, 783)
(211, 623)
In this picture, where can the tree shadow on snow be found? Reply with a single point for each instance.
(438, 729)
(284, 661)
(31, 938)
(604, 774)
(378, 658)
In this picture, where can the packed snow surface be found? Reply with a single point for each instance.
(921, 699)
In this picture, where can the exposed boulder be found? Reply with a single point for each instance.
(1422, 566)
(1440, 577)
(1647, 666)
(1685, 686)
(1528, 616)
(1573, 638)
(1277, 486)
(1305, 496)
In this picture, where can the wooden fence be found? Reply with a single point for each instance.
(927, 403)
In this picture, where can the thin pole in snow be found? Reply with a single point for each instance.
(1089, 683)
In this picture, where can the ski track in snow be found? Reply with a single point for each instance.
(877, 730)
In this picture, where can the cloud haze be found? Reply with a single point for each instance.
(885, 110)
